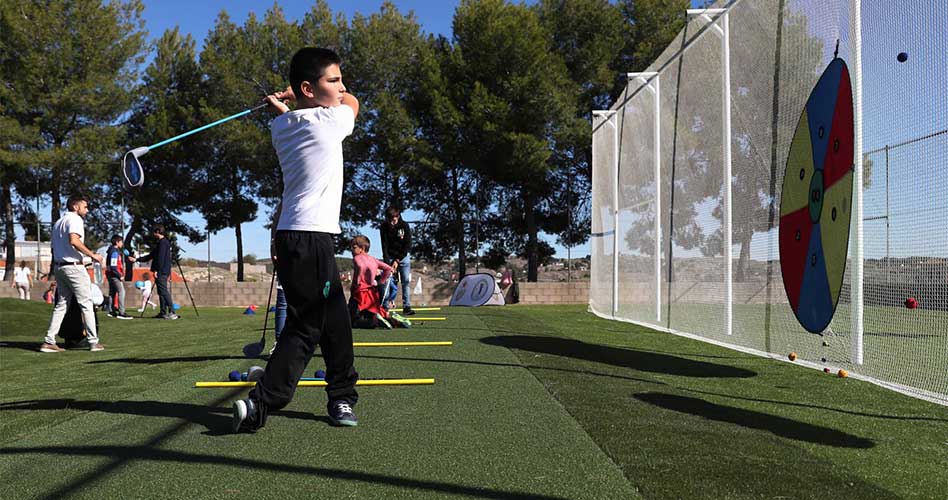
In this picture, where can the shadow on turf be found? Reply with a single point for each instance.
(26, 346)
(529, 367)
(216, 419)
(780, 426)
(124, 454)
(645, 361)
(156, 361)
(818, 407)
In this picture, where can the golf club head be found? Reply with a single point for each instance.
(253, 349)
(132, 168)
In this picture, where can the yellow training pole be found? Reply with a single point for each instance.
(420, 309)
(321, 383)
(399, 344)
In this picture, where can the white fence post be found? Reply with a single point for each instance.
(610, 116)
(654, 86)
(726, 228)
(857, 298)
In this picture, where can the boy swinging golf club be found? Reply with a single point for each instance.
(308, 143)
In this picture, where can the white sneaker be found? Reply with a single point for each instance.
(51, 348)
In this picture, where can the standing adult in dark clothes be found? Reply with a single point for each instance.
(396, 243)
(115, 271)
(160, 258)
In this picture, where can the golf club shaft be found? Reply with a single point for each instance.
(263, 338)
(205, 127)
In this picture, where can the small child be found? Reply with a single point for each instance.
(146, 292)
(50, 295)
(365, 303)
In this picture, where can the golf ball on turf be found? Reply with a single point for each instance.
(792, 356)
(243, 377)
(234, 376)
(902, 57)
(320, 374)
(842, 374)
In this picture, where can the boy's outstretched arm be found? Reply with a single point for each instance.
(351, 101)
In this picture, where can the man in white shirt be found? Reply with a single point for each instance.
(22, 280)
(71, 276)
(308, 143)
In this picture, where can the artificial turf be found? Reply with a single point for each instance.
(530, 402)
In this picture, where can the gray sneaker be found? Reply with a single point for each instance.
(171, 316)
(97, 347)
(340, 413)
(245, 416)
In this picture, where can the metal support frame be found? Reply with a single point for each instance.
(610, 116)
(857, 279)
(652, 82)
(723, 31)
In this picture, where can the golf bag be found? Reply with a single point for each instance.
(72, 329)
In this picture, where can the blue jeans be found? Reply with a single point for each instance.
(404, 272)
(388, 292)
(279, 313)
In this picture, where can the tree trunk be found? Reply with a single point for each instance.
(396, 193)
(529, 206)
(240, 253)
(9, 240)
(55, 196)
(744, 259)
(459, 224)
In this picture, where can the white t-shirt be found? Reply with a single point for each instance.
(21, 275)
(146, 287)
(308, 143)
(67, 224)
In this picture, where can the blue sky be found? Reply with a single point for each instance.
(434, 17)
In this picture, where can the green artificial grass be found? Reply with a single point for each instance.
(535, 402)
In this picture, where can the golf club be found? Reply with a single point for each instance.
(132, 168)
(254, 349)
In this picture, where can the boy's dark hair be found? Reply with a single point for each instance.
(308, 65)
(73, 200)
(392, 212)
(361, 242)
(116, 238)
(159, 228)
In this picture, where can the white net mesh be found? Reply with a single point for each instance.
(896, 331)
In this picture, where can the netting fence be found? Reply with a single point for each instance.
(689, 178)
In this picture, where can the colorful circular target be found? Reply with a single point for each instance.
(815, 200)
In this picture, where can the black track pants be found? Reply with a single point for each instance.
(316, 313)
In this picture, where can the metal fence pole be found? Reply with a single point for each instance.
(857, 299)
